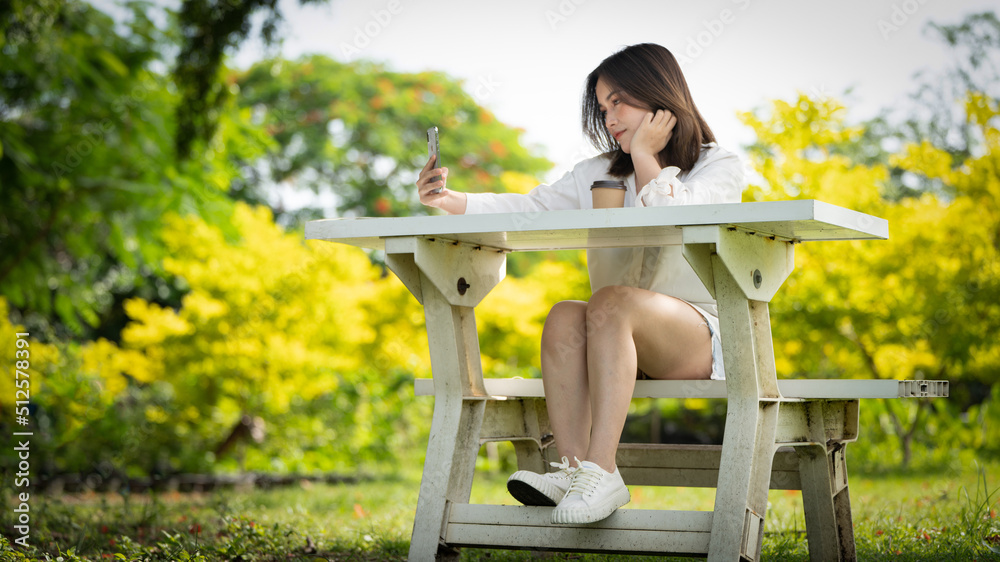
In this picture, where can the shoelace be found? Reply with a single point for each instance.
(585, 480)
(564, 466)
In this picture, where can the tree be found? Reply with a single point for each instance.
(309, 337)
(935, 112)
(108, 228)
(269, 323)
(358, 131)
(920, 305)
(87, 164)
(209, 29)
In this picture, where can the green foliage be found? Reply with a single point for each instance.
(224, 315)
(210, 28)
(919, 305)
(87, 163)
(274, 328)
(358, 130)
(922, 304)
(311, 338)
(945, 436)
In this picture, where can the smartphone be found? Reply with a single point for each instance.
(434, 149)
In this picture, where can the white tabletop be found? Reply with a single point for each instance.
(797, 220)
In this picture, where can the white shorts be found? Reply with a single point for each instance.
(718, 369)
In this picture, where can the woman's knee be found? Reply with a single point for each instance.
(565, 325)
(609, 304)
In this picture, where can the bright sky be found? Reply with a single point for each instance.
(526, 60)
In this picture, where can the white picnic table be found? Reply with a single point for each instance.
(781, 434)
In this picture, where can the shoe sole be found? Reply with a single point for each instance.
(527, 494)
(530, 488)
(592, 514)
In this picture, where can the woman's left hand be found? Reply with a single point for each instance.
(653, 133)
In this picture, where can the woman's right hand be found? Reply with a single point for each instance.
(447, 200)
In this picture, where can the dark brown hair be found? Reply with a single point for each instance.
(646, 76)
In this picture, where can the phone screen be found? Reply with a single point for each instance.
(434, 149)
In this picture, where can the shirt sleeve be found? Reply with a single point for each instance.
(561, 195)
(719, 181)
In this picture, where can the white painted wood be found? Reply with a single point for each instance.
(407, 271)
(806, 389)
(817, 421)
(625, 531)
(525, 424)
(626, 518)
(663, 464)
(728, 245)
(575, 539)
(817, 500)
(758, 263)
(448, 265)
(454, 438)
(750, 423)
(799, 220)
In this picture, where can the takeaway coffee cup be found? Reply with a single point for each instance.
(608, 194)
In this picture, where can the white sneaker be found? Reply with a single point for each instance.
(593, 494)
(531, 488)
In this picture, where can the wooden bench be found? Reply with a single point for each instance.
(812, 461)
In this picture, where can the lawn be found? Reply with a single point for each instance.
(897, 517)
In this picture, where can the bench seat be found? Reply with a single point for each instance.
(516, 413)
(806, 389)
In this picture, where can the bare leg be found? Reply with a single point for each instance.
(564, 377)
(628, 329)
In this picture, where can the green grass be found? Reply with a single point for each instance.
(897, 517)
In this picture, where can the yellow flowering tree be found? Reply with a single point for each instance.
(272, 327)
(309, 338)
(920, 305)
(78, 396)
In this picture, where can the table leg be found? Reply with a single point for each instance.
(751, 419)
(845, 523)
(454, 437)
(825, 497)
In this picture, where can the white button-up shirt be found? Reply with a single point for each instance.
(717, 177)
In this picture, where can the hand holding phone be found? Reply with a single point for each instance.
(434, 150)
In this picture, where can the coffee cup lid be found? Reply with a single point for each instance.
(612, 184)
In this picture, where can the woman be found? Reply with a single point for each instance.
(649, 316)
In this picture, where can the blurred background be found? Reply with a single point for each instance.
(158, 161)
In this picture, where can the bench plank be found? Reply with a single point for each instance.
(806, 389)
(625, 531)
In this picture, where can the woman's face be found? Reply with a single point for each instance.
(621, 119)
